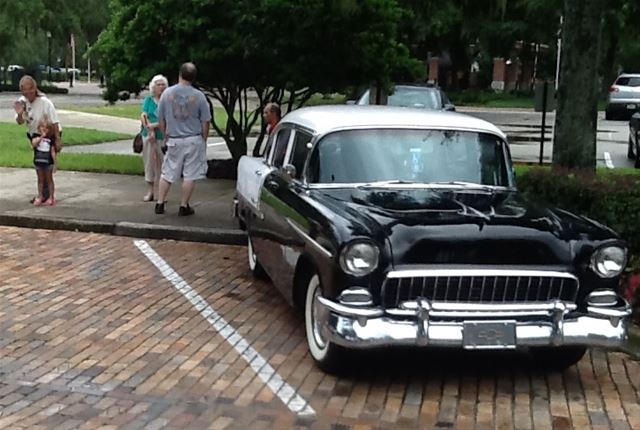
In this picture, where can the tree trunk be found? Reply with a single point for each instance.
(574, 142)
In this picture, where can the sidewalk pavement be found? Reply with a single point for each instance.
(112, 204)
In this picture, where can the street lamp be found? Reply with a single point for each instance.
(49, 39)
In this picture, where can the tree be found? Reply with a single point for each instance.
(574, 143)
(24, 27)
(276, 49)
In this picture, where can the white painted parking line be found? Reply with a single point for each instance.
(263, 369)
(607, 160)
(215, 144)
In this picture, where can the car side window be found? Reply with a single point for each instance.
(266, 148)
(280, 147)
(299, 151)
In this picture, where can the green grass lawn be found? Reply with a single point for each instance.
(16, 152)
(132, 111)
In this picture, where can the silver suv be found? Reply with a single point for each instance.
(624, 97)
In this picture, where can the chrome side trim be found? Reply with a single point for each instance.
(425, 273)
(325, 252)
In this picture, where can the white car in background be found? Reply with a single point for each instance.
(624, 97)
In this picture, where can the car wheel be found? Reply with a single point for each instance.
(557, 357)
(327, 355)
(254, 265)
(630, 154)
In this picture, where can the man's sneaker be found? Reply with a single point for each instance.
(159, 208)
(185, 211)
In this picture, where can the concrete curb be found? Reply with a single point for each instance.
(130, 229)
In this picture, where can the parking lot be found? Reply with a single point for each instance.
(99, 331)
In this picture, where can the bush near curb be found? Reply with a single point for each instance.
(612, 199)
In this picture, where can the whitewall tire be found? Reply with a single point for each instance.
(327, 355)
(254, 264)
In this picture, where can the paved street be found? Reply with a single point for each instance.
(98, 330)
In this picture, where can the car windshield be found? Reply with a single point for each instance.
(428, 98)
(409, 155)
(629, 81)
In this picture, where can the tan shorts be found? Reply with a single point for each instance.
(186, 157)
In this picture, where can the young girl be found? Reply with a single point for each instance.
(44, 158)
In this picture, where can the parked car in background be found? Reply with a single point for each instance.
(633, 151)
(624, 97)
(13, 67)
(414, 95)
(393, 226)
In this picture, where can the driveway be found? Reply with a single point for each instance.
(98, 330)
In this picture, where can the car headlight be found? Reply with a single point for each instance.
(609, 261)
(359, 258)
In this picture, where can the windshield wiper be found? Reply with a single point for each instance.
(470, 185)
(384, 183)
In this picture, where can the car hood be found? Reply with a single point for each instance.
(462, 226)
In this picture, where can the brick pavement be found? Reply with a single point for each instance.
(93, 336)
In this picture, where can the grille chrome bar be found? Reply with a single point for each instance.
(478, 286)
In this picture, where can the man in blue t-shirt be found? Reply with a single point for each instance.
(184, 118)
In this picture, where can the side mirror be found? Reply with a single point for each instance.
(289, 170)
(351, 102)
(449, 107)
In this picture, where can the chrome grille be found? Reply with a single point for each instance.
(478, 286)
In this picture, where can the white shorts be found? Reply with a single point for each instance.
(186, 157)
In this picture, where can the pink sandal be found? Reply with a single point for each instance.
(50, 202)
(37, 201)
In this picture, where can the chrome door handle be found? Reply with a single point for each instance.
(258, 172)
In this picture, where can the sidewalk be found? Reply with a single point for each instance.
(112, 204)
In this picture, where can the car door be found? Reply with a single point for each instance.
(261, 229)
(284, 210)
(251, 174)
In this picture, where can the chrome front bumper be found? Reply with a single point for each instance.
(424, 323)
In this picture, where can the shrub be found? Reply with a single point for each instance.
(612, 199)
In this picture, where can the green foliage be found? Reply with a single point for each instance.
(24, 27)
(515, 99)
(270, 47)
(611, 199)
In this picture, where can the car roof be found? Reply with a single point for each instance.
(324, 119)
(629, 75)
(417, 87)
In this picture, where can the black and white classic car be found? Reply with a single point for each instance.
(395, 226)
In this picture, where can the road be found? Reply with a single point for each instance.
(523, 128)
(110, 331)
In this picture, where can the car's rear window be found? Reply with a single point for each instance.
(629, 81)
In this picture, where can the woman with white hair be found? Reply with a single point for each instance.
(152, 137)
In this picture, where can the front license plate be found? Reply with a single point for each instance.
(631, 106)
(489, 335)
